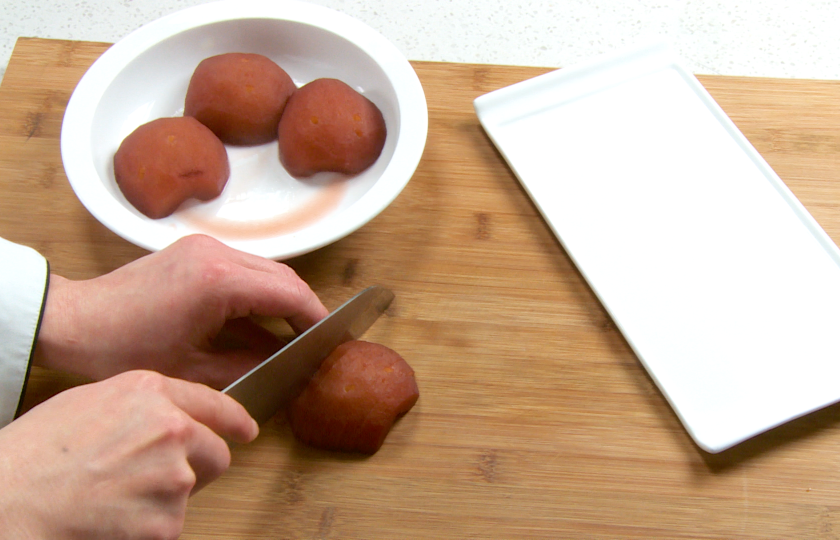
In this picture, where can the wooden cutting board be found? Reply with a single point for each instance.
(535, 418)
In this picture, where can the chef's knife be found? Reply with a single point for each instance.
(270, 386)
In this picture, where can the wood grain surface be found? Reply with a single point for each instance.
(535, 419)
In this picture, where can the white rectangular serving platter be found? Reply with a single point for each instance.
(723, 284)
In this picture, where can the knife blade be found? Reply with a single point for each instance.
(270, 386)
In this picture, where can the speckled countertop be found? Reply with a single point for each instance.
(770, 38)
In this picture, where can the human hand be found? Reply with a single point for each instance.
(115, 459)
(165, 311)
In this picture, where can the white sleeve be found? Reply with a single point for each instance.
(24, 275)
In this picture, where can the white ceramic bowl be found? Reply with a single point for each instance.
(263, 210)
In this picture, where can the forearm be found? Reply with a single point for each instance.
(59, 339)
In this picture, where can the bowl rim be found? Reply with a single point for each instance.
(90, 189)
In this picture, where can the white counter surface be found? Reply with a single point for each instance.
(764, 38)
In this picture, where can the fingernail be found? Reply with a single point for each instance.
(255, 430)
